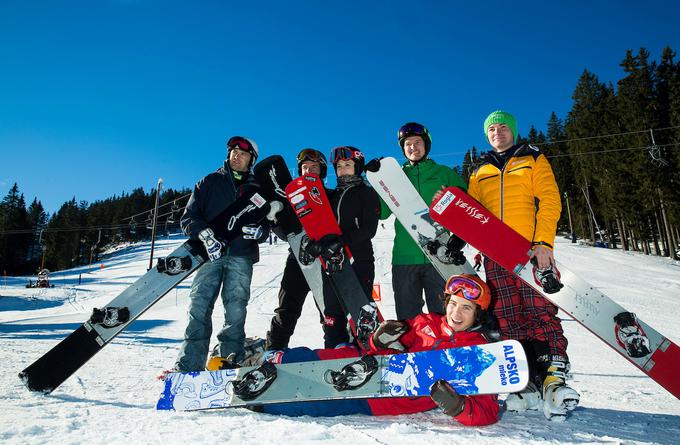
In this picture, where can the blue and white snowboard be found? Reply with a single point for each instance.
(484, 369)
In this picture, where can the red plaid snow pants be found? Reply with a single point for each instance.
(523, 313)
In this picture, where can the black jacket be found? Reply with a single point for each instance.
(210, 197)
(357, 209)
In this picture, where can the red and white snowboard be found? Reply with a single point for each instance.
(635, 340)
(312, 206)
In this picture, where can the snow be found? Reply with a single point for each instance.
(112, 398)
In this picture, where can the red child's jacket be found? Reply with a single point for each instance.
(427, 332)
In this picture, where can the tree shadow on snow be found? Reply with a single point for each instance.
(58, 331)
(26, 304)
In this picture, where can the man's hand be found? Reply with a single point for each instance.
(544, 257)
(212, 246)
(252, 231)
(438, 194)
(388, 334)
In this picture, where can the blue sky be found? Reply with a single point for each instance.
(100, 97)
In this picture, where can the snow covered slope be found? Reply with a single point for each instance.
(112, 398)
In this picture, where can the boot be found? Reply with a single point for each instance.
(558, 397)
(527, 399)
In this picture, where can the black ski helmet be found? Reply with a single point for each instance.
(310, 154)
(245, 144)
(415, 129)
(348, 153)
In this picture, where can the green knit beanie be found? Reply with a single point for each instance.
(501, 117)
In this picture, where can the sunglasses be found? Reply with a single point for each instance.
(465, 287)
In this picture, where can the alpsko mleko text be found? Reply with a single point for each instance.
(508, 371)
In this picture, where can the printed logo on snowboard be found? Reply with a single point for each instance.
(630, 336)
(315, 195)
(235, 218)
(297, 198)
(277, 188)
(389, 193)
(448, 198)
(258, 200)
(508, 371)
(301, 204)
(444, 202)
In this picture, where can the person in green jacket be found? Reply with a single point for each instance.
(412, 273)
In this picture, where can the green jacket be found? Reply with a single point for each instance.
(427, 177)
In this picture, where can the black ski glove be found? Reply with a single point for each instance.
(332, 252)
(388, 334)
(447, 398)
(373, 165)
(309, 250)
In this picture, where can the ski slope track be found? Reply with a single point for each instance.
(112, 398)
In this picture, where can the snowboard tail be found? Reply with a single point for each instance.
(635, 340)
(483, 369)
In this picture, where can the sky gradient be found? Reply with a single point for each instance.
(97, 98)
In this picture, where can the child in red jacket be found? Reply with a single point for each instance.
(466, 299)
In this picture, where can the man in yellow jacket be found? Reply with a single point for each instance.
(517, 184)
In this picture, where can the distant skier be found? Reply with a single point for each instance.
(478, 261)
(412, 273)
(232, 271)
(516, 183)
(466, 299)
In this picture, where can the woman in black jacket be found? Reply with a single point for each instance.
(357, 208)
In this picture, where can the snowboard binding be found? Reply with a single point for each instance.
(255, 382)
(353, 375)
(174, 265)
(110, 317)
(548, 278)
(630, 335)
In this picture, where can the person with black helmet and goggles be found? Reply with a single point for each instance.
(412, 273)
(294, 287)
(230, 263)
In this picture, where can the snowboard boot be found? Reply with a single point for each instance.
(253, 356)
(527, 399)
(558, 397)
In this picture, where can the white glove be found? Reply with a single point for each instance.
(212, 246)
(252, 231)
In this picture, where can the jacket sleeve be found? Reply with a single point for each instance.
(549, 203)
(193, 221)
(368, 219)
(479, 410)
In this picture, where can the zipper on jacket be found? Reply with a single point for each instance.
(337, 215)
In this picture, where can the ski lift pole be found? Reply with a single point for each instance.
(44, 249)
(571, 227)
(155, 218)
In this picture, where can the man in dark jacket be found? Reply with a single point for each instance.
(230, 263)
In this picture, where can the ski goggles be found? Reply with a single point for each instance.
(412, 129)
(309, 154)
(239, 142)
(464, 287)
(345, 154)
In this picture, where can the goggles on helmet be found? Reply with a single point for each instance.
(345, 154)
(240, 143)
(309, 154)
(464, 287)
(412, 129)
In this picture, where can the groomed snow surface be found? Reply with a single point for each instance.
(112, 398)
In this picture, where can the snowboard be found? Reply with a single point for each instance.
(273, 176)
(59, 363)
(484, 369)
(635, 340)
(308, 198)
(395, 189)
